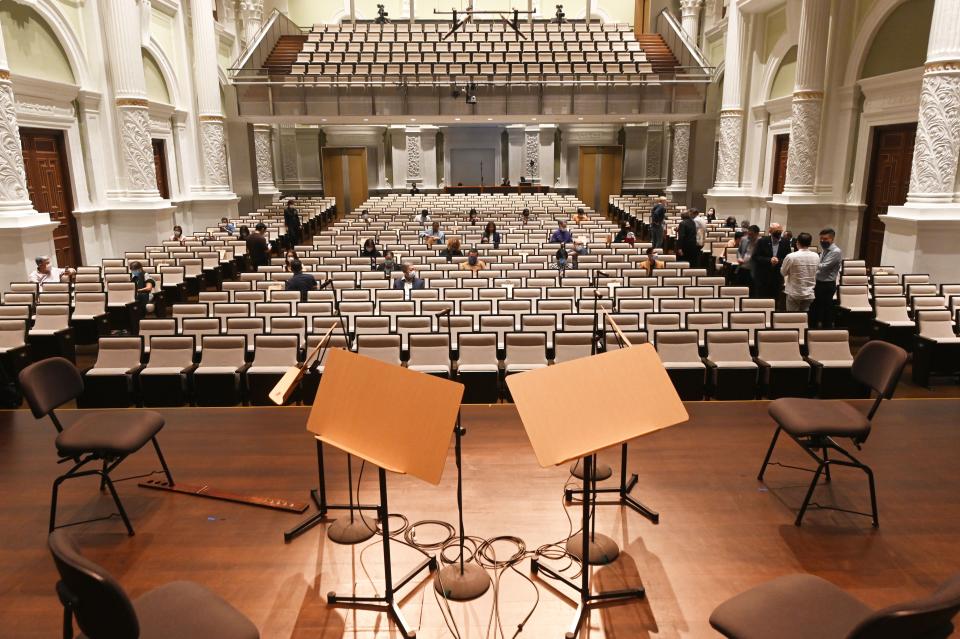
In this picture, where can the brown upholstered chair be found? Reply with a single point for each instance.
(801, 606)
(104, 437)
(816, 424)
(180, 609)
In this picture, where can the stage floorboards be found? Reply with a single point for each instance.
(721, 531)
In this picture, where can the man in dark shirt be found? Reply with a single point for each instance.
(303, 282)
(258, 247)
(767, 258)
(658, 217)
(291, 218)
(687, 239)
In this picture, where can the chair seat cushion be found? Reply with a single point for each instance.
(833, 363)
(216, 370)
(785, 363)
(684, 366)
(477, 368)
(790, 607)
(106, 372)
(186, 610)
(112, 433)
(161, 370)
(800, 416)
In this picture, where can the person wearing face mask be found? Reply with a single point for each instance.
(388, 265)
(302, 282)
(651, 263)
(142, 283)
(828, 270)
(369, 250)
(799, 270)
(748, 244)
(177, 235)
(409, 281)
(767, 257)
(473, 217)
(473, 263)
(452, 250)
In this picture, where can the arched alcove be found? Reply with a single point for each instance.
(33, 49)
(786, 75)
(901, 41)
(157, 90)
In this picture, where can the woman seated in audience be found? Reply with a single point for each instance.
(580, 216)
(473, 217)
(452, 250)
(369, 250)
(525, 217)
(491, 235)
(244, 232)
(177, 235)
(731, 223)
(388, 265)
(651, 262)
(289, 258)
(711, 214)
(622, 233)
(142, 283)
(473, 263)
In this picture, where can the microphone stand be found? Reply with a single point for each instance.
(459, 581)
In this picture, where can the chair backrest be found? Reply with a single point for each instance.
(119, 352)
(779, 345)
(676, 347)
(568, 346)
(879, 365)
(934, 324)
(919, 618)
(891, 309)
(477, 349)
(526, 348)
(171, 352)
(12, 333)
(223, 350)
(429, 349)
(385, 348)
(275, 350)
(728, 346)
(100, 605)
(49, 384)
(51, 318)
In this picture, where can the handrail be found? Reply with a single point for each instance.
(689, 53)
(263, 42)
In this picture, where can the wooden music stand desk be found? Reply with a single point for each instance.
(598, 383)
(399, 420)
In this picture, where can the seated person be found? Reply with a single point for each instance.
(622, 233)
(491, 236)
(243, 233)
(303, 282)
(561, 235)
(651, 262)
(473, 217)
(580, 216)
(580, 246)
(506, 182)
(227, 226)
(46, 273)
(369, 250)
(434, 235)
(365, 216)
(525, 217)
(414, 190)
(288, 258)
(177, 235)
(452, 250)
(143, 284)
(409, 281)
(423, 217)
(561, 256)
(473, 263)
(388, 265)
(523, 179)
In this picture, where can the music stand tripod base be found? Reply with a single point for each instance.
(455, 585)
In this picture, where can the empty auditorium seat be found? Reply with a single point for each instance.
(218, 379)
(828, 351)
(14, 351)
(164, 381)
(273, 355)
(733, 373)
(109, 383)
(429, 353)
(937, 350)
(680, 353)
(51, 334)
(783, 371)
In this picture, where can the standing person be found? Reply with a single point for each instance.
(658, 217)
(799, 271)
(258, 247)
(291, 217)
(44, 274)
(748, 244)
(491, 236)
(687, 239)
(303, 282)
(243, 233)
(828, 270)
(414, 190)
(701, 223)
(767, 258)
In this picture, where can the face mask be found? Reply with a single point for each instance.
(472, 260)
(776, 235)
(825, 245)
(136, 273)
(388, 264)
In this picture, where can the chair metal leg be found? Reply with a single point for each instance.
(53, 502)
(116, 500)
(103, 483)
(826, 458)
(873, 495)
(813, 484)
(766, 460)
(163, 462)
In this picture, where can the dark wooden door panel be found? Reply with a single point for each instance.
(160, 168)
(48, 183)
(888, 183)
(781, 150)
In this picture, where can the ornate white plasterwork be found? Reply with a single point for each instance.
(805, 113)
(681, 153)
(934, 171)
(263, 149)
(531, 154)
(728, 155)
(654, 154)
(13, 179)
(134, 124)
(414, 156)
(214, 147)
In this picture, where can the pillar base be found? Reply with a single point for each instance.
(811, 214)
(23, 237)
(739, 204)
(922, 238)
(201, 210)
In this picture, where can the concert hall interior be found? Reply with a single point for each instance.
(479, 318)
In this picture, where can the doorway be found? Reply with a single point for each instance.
(160, 168)
(345, 176)
(48, 183)
(781, 150)
(601, 175)
(887, 186)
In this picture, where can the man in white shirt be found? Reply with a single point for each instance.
(701, 223)
(799, 271)
(46, 273)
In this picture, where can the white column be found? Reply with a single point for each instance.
(922, 236)
(731, 107)
(263, 151)
(428, 152)
(690, 17)
(414, 155)
(634, 156)
(546, 169)
(654, 166)
(251, 13)
(681, 159)
(516, 154)
(289, 164)
(122, 29)
(807, 105)
(213, 148)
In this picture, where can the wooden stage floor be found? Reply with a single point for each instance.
(721, 531)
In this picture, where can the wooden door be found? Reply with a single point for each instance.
(888, 183)
(601, 175)
(48, 182)
(780, 152)
(345, 176)
(160, 167)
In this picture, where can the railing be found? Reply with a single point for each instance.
(262, 44)
(682, 45)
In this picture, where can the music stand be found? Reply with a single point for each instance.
(556, 439)
(356, 397)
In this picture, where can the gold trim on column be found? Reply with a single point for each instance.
(944, 65)
(137, 102)
(211, 118)
(808, 95)
(4, 74)
(724, 112)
